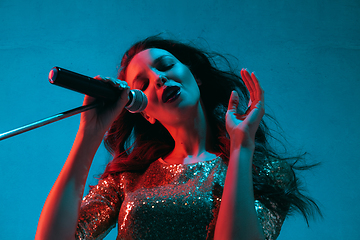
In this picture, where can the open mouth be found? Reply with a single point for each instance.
(170, 94)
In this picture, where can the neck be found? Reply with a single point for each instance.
(192, 137)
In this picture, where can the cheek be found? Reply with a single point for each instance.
(153, 102)
(152, 97)
(186, 73)
(181, 72)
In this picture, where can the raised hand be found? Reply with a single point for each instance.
(242, 128)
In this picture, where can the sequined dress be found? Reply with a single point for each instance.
(178, 201)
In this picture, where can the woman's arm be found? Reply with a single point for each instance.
(59, 216)
(237, 217)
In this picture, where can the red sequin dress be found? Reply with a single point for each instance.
(178, 201)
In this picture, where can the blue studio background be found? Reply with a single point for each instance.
(306, 54)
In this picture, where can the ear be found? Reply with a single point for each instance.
(198, 81)
(148, 118)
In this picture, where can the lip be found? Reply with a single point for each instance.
(170, 94)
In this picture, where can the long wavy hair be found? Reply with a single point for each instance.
(135, 143)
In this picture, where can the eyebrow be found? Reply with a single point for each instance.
(157, 60)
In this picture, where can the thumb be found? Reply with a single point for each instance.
(233, 102)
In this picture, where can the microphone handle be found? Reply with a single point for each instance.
(83, 84)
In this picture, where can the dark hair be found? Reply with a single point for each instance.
(135, 143)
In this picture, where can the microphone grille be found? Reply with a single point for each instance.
(138, 101)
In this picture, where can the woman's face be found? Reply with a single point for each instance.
(169, 85)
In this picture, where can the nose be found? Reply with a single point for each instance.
(160, 81)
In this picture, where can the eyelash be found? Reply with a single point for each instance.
(165, 67)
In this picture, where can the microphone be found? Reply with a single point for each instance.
(95, 88)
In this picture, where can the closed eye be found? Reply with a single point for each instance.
(164, 63)
(164, 67)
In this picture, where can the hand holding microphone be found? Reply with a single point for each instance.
(113, 92)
